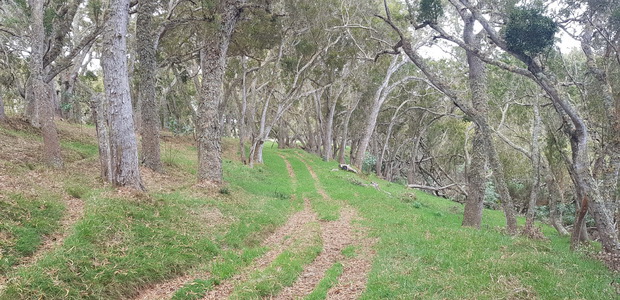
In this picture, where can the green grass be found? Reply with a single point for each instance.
(423, 252)
(194, 290)
(125, 243)
(285, 269)
(85, 150)
(326, 210)
(330, 279)
(23, 223)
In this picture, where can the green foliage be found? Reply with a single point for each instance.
(430, 11)
(94, 9)
(614, 20)
(491, 198)
(528, 32)
(369, 163)
(257, 31)
(178, 128)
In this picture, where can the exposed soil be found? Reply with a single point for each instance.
(165, 290)
(352, 281)
(336, 235)
(277, 242)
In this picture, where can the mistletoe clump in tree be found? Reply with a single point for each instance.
(528, 32)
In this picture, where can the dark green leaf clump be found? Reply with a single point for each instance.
(528, 32)
(430, 11)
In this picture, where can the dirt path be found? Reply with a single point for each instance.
(278, 242)
(337, 235)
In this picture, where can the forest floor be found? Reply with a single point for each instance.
(293, 228)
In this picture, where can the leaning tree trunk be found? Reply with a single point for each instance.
(147, 47)
(379, 98)
(213, 64)
(492, 156)
(608, 163)
(588, 193)
(42, 101)
(123, 146)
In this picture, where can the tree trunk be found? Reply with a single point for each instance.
(587, 191)
(492, 156)
(607, 170)
(329, 131)
(345, 129)
(379, 98)
(476, 184)
(99, 107)
(42, 101)
(123, 145)
(554, 193)
(2, 114)
(213, 64)
(149, 112)
(535, 155)
(481, 143)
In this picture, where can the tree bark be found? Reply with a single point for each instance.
(123, 146)
(99, 107)
(492, 156)
(535, 155)
(574, 125)
(328, 129)
(345, 129)
(476, 171)
(386, 141)
(149, 113)
(2, 114)
(213, 56)
(476, 184)
(379, 98)
(42, 100)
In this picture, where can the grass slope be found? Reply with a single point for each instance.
(126, 242)
(423, 252)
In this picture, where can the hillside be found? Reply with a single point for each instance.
(292, 228)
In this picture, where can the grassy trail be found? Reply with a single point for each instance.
(292, 228)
